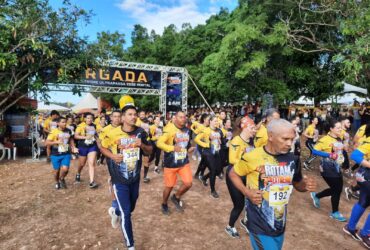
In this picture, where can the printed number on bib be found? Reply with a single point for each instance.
(279, 195)
(131, 155)
(180, 155)
(62, 148)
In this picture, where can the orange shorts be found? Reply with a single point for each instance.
(170, 175)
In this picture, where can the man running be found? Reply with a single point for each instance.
(62, 144)
(175, 142)
(272, 172)
(50, 124)
(113, 211)
(125, 147)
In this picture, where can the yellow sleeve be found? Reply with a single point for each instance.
(361, 131)
(320, 145)
(51, 136)
(365, 147)
(162, 142)
(193, 127)
(199, 129)
(47, 124)
(152, 130)
(198, 140)
(80, 130)
(260, 141)
(234, 152)
(106, 141)
(309, 130)
(241, 167)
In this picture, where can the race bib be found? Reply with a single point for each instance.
(279, 195)
(62, 148)
(131, 155)
(179, 156)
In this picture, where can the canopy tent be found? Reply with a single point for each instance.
(348, 88)
(87, 102)
(347, 98)
(42, 106)
(303, 101)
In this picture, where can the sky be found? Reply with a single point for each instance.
(122, 15)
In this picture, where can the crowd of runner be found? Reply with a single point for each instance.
(257, 153)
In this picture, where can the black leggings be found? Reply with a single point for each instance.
(213, 162)
(202, 166)
(334, 190)
(345, 164)
(156, 154)
(237, 198)
(310, 144)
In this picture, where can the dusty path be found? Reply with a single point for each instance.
(35, 216)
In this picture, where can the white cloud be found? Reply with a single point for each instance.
(154, 16)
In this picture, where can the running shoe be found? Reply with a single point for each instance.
(232, 232)
(199, 158)
(63, 183)
(352, 233)
(146, 179)
(98, 162)
(165, 209)
(156, 170)
(177, 202)
(214, 194)
(365, 240)
(93, 185)
(315, 200)
(57, 185)
(338, 216)
(78, 178)
(221, 176)
(348, 193)
(204, 181)
(115, 218)
(243, 223)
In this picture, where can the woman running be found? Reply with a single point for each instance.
(204, 123)
(311, 133)
(238, 145)
(330, 148)
(87, 148)
(210, 140)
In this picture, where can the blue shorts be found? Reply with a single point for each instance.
(84, 151)
(264, 242)
(58, 161)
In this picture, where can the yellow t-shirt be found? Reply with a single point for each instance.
(237, 147)
(65, 136)
(310, 130)
(261, 137)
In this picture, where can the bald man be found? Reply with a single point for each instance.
(271, 172)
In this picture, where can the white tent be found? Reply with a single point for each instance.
(347, 98)
(303, 101)
(42, 106)
(351, 88)
(87, 102)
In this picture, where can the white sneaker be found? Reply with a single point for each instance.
(115, 218)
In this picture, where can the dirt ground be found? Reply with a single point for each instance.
(35, 216)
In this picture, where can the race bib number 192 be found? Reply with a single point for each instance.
(279, 195)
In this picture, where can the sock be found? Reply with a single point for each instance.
(146, 170)
(366, 229)
(356, 214)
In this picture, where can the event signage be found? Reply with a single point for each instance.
(174, 91)
(122, 77)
